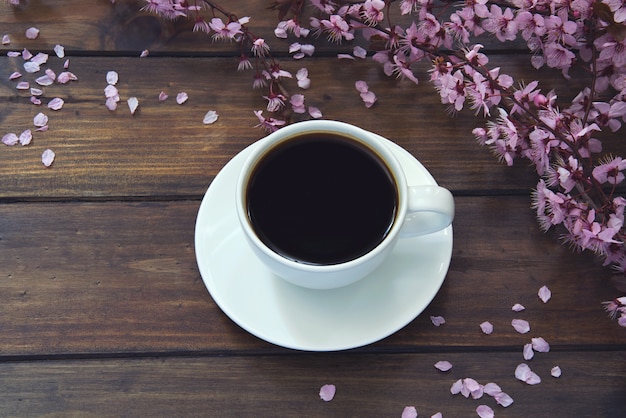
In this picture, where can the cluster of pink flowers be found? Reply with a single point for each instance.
(577, 186)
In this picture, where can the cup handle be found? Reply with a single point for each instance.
(430, 209)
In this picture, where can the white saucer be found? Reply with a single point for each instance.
(315, 320)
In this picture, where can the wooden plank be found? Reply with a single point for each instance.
(592, 384)
(116, 277)
(165, 150)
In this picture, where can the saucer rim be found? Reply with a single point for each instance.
(227, 308)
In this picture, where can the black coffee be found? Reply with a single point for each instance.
(321, 199)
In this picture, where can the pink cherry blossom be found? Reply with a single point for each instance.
(47, 157)
(486, 327)
(409, 412)
(523, 373)
(26, 137)
(32, 33)
(544, 294)
(327, 392)
(443, 365)
(181, 97)
(437, 320)
(522, 326)
(484, 411)
(10, 139)
(210, 117)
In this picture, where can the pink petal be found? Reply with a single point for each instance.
(56, 103)
(181, 97)
(59, 50)
(345, 57)
(13, 54)
(544, 294)
(41, 58)
(327, 392)
(44, 80)
(112, 77)
(133, 104)
(22, 85)
(163, 96)
(26, 137)
(409, 412)
(314, 112)
(10, 139)
(31, 67)
(34, 100)
(503, 399)
(456, 387)
(518, 308)
(40, 120)
(66, 64)
(437, 320)
(15, 75)
(32, 33)
(50, 74)
(528, 352)
(540, 345)
(110, 91)
(523, 373)
(492, 389)
(444, 366)
(47, 158)
(359, 52)
(144, 53)
(210, 117)
(484, 411)
(34, 91)
(6, 39)
(361, 86)
(486, 327)
(66, 77)
(437, 415)
(521, 326)
(42, 129)
(555, 371)
(369, 98)
(474, 388)
(111, 103)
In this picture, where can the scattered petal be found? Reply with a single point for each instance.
(13, 54)
(66, 77)
(437, 320)
(111, 103)
(31, 67)
(327, 392)
(522, 326)
(503, 399)
(111, 91)
(15, 75)
(540, 345)
(361, 86)
(26, 137)
(437, 415)
(444, 366)
(486, 327)
(544, 294)
(492, 389)
(56, 103)
(523, 373)
(181, 97)
(34, 100)
(6, 39)
(40, 120)
(47, 158)
(32, 33)
(50, 74)
(66, 64)
(34, 91)
(42, 129)
(555, 371)
(314, 112)
(345, 57)
(210, 117)
(41, 58)
(409, 412)
(484, 411)
(59, 50)
(163, 96)
(456, 387)
(528, 352)
(133, 103)
(10, 139)
(112, 78)
(44, 80)
(144, 53)
(518, 308)
(359, 52)
(22, 85)
(472, 388)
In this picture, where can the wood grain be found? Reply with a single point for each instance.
(110, 277)
(592, 385)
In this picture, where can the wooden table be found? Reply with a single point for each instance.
(103, 311)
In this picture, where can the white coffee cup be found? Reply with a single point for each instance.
(430, 208)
